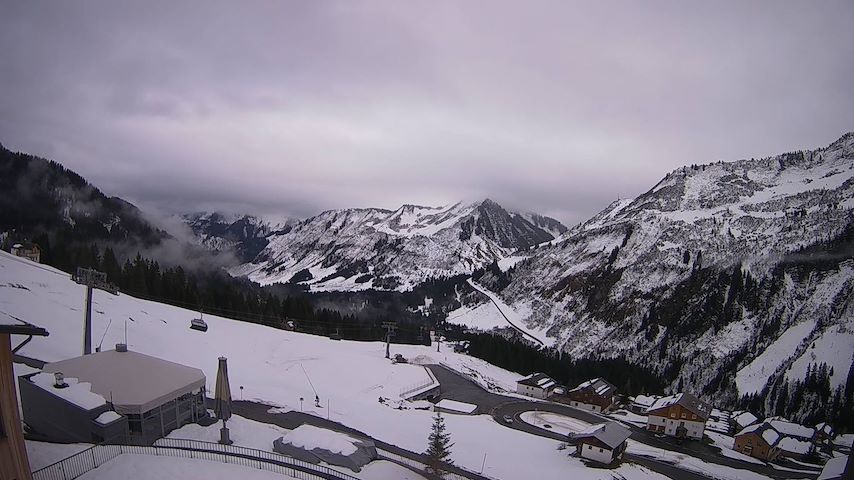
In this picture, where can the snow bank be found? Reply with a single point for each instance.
(310, 437)
(108, 417)
(455, 406)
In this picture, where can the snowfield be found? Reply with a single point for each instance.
(275, 366)
(149, 467)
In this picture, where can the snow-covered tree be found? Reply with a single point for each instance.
(438, 446)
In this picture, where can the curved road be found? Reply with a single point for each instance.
(455, 386)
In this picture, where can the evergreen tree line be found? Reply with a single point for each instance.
(808, 401)
(629, 378)
(216, 292)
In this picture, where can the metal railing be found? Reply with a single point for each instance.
(92, 458)
(447, 475)
(431, 382)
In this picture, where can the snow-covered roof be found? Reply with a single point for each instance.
(834, 468)
(791, 444)
(792, 429)
(824, 428)
(598, 385)
(108, 417)
(456, 406)
(540, 380)
(16, 326)
(686, 400)
(770, 436)
(609, 433)
(764, 430)
(645, 400)
(745, 418)
(78, 393)
(134, 382)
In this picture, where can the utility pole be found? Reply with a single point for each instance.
(389, 331)
(91, 279)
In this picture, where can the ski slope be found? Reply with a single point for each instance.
(275, 367)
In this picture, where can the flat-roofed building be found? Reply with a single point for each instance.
(153, 396)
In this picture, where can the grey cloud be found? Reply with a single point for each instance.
(296, 107)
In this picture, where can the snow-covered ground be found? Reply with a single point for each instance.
(42, 454)
(150, 467)
(629, 417)
(694, 464)
(275, 366)
(555, 422)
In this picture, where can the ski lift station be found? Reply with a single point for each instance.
(112, 396)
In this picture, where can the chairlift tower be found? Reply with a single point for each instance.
(92, 279)
(389, 327)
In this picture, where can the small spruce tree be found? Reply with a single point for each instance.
(438, 446)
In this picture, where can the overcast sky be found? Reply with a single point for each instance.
(296, 107)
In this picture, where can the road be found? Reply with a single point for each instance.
(455, 386)
(491, 298)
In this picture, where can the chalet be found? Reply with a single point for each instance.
(641, 403)
(603, 443)
(113, 395)
(682, 416)
(759, 440)
(30, 251)
(13, 452)
(538, 385)
(797, 441)
(596, 395)
(742, 419)
(823, 434)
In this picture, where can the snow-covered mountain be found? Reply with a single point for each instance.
(722, 276)
(355, 249)
(41, 198)
(244, 234)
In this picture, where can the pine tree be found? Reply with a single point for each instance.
(438, 446)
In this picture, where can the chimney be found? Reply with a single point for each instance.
(59, 380)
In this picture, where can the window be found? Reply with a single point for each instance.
(672, 414)
(589, 447)
(684, 416)
(600, 450)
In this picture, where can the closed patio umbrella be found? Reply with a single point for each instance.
(222, 396)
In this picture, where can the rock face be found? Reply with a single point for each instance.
(357, 249)
(721, 276)
(245, 235)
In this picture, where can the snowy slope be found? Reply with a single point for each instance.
(358, 249)
(703, 272)
(269, 364)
